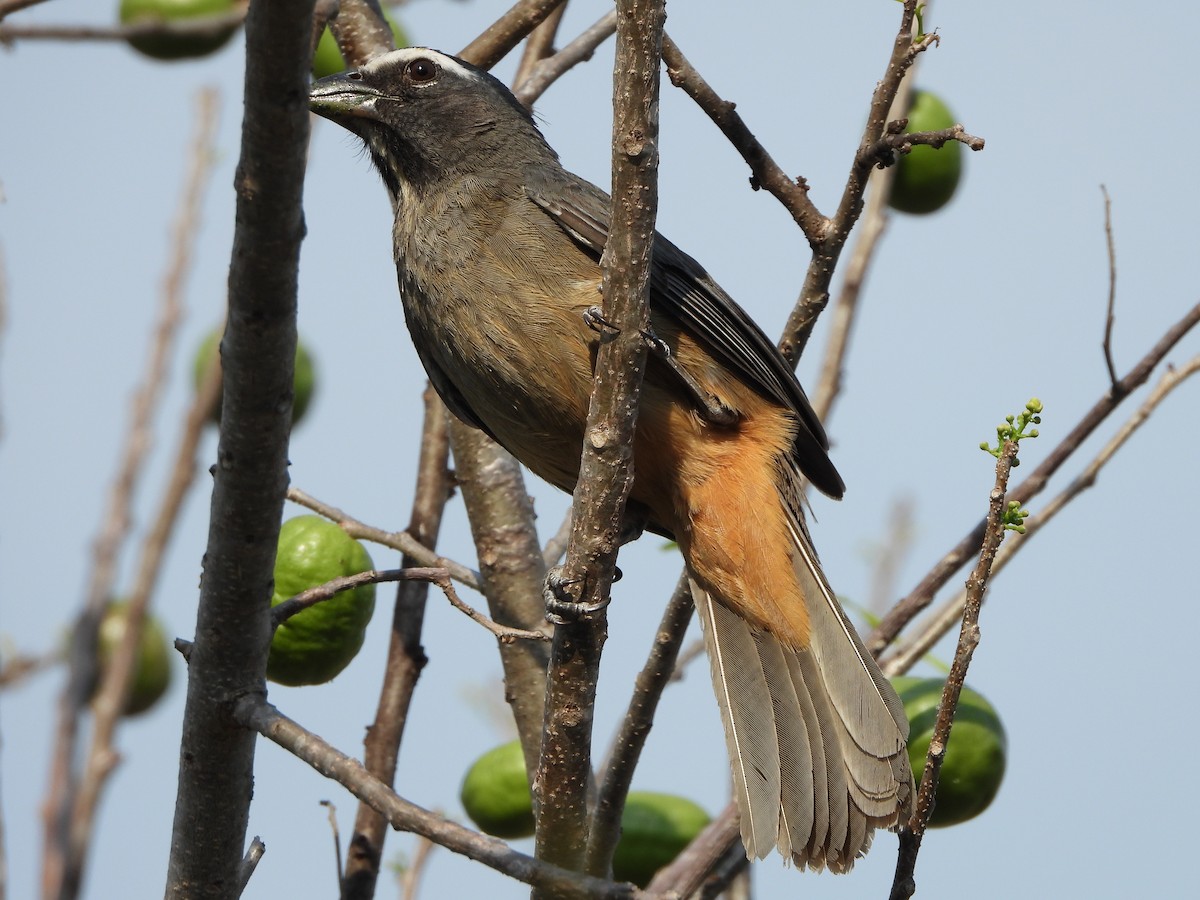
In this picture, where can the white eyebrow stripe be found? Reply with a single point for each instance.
(406, 54)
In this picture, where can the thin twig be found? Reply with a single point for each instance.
(411, 879)
(540, 43)
(397, 540)
(814, 294)
(765, 172)
(1110, 317)
(19, 667)
(550, 69)
(870, 231)
(904, 883)
(255, 713)
(250, 863)
(943, 619)
(922, 595)
(331, 812)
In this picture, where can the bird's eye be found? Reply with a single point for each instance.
(421, 71)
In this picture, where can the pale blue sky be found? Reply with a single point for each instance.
(1086, 648)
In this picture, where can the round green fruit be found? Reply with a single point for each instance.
(327, 58)
(975, 756)
(654, 830)
(152, 665)
(313, 646)
(165, 45)
(495, 793)
(304, 377)
(926, 178)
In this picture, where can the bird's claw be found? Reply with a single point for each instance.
(561, 608)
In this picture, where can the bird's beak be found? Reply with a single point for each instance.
(342, 96)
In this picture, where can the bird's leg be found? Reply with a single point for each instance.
(711, 408)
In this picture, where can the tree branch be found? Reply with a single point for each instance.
(508, 31)
(904, 884)
(229, 658)
(253, 712)
(512, 571)
(921, 596)
(635, 727)
(581, 591)
(406, 657)
(944, 619)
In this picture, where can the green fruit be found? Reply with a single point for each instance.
(327, 58)
(495, 793)
(654, 830)
(304, 378)
(315, 645)
(177, 46)
(152, 665)
(975, 756)
(926, 178)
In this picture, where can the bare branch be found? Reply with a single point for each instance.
(406, 656)
(765, 172)
(258, 351)
(581, 591)
(720, 840)
(548, 70)
(508, 31)
(921, 596)
(411, 879)
(540, 43)
(512, 572)
(635, 727)
(904, 883)
(250, 863)
(397, 540)
(951, 612)
(255, 713)
(1110, 317)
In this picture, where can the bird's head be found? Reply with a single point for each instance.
(426, 116)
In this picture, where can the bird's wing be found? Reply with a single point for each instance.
(681, 289)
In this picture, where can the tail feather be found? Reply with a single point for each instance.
(737, 673)
(816, 735)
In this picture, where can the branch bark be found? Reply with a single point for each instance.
(581, 590)
(406, 657)
(229, 658)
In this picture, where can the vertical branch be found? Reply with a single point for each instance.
(904, 884)
(406, 656)
(1110, 317)
(606, 470)
(635, 727)
(511, 570)
(228, 658)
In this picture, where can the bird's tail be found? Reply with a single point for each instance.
(816, 735)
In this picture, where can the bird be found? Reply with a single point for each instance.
(497, 250)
